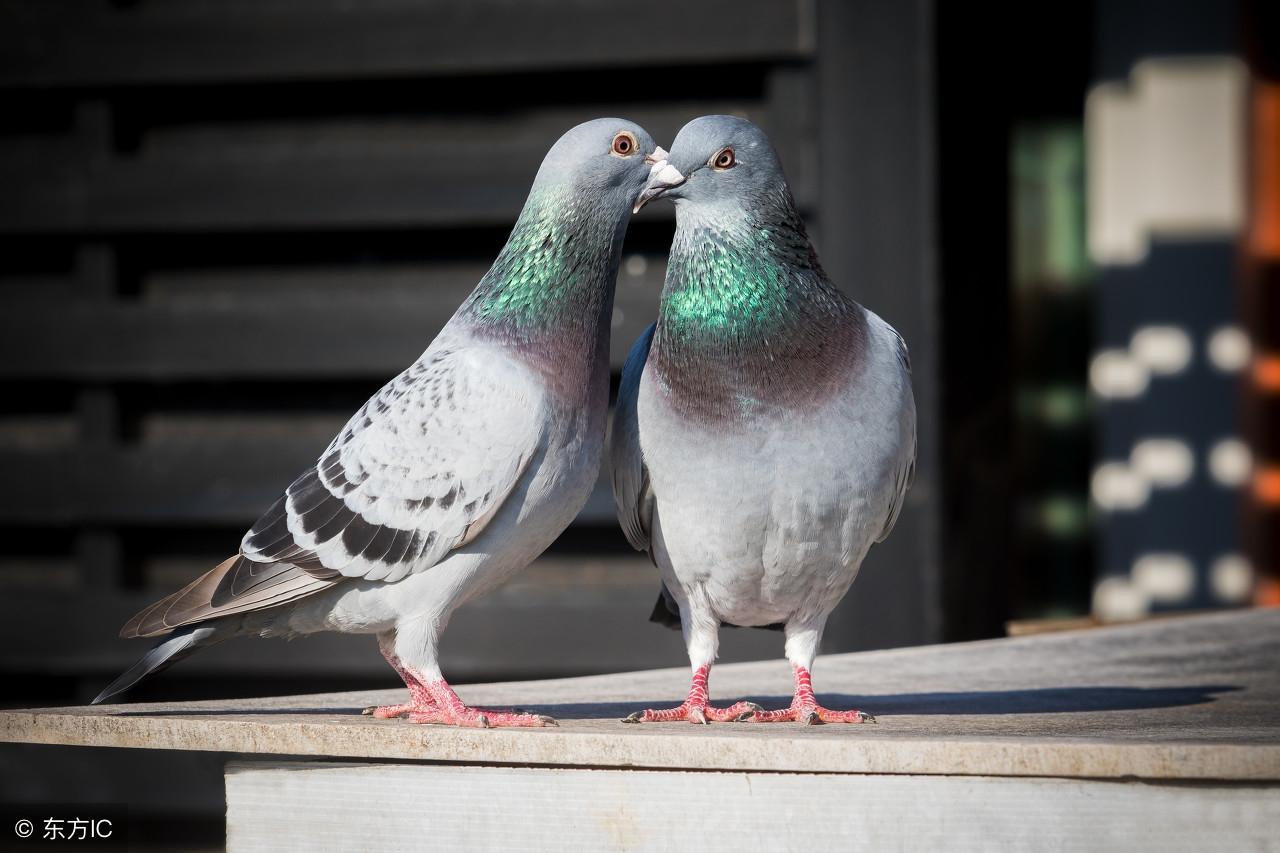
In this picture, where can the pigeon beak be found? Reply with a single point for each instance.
(663, 177)
(659, 154)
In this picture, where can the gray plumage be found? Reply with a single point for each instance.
(464, 467)
(764, 436)
(163, 655)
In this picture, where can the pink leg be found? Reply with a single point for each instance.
(695, 709)
(420, 699)
(805, 708)
(449, 710)
(433, 701)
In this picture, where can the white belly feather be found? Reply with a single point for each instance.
(770, 521)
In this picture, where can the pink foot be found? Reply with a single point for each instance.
(695, 713)
(696, 709)
(805, 708)
(433, 701)
(420, 699)
(449, 710)
(391, 712)
(811, 715)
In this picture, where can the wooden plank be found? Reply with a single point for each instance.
(186, 41)
(377, 173)
(607, 597)
(307, 806)
(209, 481)
(1193, 699)
(100, 558)
(262, 324)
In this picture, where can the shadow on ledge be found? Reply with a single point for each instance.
(1045, 700)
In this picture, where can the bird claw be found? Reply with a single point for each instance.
(703, 715)
(502, 717)
(810, 715)
(391, 712)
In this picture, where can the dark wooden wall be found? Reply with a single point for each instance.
(223, 225)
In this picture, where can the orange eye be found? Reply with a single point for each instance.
(724, 160)
(625, 144)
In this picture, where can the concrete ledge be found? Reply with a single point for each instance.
(1194, 698)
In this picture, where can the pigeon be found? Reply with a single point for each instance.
(460, 470)
(764, 435)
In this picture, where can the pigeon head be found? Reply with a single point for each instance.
(554, 279)
(716, 159)
(601, 156)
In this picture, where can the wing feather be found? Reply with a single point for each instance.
(906, 474)
(417, 471)
(632, 495)
(236, 585)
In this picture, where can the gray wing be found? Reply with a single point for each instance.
(631, 493)
(416, 473)
(907, 468)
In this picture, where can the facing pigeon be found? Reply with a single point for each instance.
(764, 436)
(462, 469)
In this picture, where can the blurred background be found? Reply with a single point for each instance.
(224, 224)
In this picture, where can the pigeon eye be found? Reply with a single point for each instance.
(625, 144)
(724, 160)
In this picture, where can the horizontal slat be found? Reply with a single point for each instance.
(365, 323)
(505, 632)
(325, 175)
(184, 41)
(553, 808)
(229, 481)
(205, 479)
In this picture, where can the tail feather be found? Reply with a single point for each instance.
(164, 654)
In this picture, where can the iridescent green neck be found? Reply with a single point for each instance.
(548, 297)
(722, 288)
(558, 264)
(748, 322)
(736, 277)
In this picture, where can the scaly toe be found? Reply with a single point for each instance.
(390, 712)
(440, 717)
(829, 716)
(515, 717)
(501, 720)
(702, 715)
